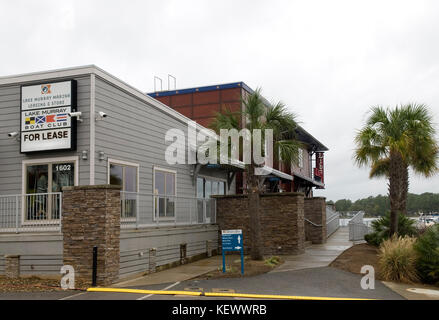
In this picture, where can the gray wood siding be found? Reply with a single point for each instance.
(10, 156)
(167, 243)
(134, 131)
(41, 264)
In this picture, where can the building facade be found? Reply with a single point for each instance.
(202, 103)
(83, 126)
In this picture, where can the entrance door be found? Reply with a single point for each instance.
(42, 181)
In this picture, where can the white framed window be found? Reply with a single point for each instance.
(126, 175)
(207, 186)
(165, 192)
(42, 180)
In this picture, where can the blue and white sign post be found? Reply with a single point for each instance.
(232, 241)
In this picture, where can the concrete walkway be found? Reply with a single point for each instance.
(315, 256)
(318, 255)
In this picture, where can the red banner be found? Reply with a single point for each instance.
(319, 169)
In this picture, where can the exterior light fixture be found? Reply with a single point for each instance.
(84, 154)
(101, 155)
(101, 116)
(12, 134)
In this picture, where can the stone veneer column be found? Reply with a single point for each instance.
(282, 221)
(12, 266)
(91, 217)
(315, 211)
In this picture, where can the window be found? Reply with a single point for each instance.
(205, 188)
(43, 178)
(165, 192)
(125, 174)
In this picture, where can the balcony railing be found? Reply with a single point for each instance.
(40, 212)
(139, 210)
(31, 212)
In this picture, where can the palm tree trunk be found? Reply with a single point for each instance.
(396, 169)
(404, 185)
(254, 213)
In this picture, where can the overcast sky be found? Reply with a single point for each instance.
(329, 61)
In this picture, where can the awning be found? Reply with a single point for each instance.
(313, 182)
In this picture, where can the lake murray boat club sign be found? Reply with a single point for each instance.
(45, 121)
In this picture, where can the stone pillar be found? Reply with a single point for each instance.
(315, 212)
(282, 221)
(91, 217)
(12, 266)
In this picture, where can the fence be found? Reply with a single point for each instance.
(357, 228)
(332, 221)
(39, 212)
(31, 212)
(140, 210)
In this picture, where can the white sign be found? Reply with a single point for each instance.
(231, 231)
(56, 118)
(45, 140)
(46, 95)
(45, 120)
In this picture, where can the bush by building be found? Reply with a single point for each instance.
(427, 249)
(397, 260)
(381, 229)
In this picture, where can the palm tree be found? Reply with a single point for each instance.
(257, 115)
(392, 141)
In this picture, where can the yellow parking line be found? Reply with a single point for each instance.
(272, 296)
(118, 290)
(215, 294)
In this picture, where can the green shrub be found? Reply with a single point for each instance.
(397, 259)
(427, 248)
(272, 261)
(381, 229)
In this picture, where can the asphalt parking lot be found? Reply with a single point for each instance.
(314, 282)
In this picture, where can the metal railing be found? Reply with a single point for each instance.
(357, 228)
(140, 210)
(332, 221)
(33, 212)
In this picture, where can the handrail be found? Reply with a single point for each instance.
(314, 224)
(320, 225)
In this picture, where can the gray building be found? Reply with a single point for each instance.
(83, 126)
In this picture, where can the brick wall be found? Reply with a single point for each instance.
(202, 106)
(282, 221)
(91, 217)
(315, 211)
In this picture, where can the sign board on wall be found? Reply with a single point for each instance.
(45, 121)
(319, 170)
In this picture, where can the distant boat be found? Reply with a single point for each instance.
(427, 220)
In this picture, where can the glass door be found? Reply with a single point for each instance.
(36, 192)
(42, 180)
